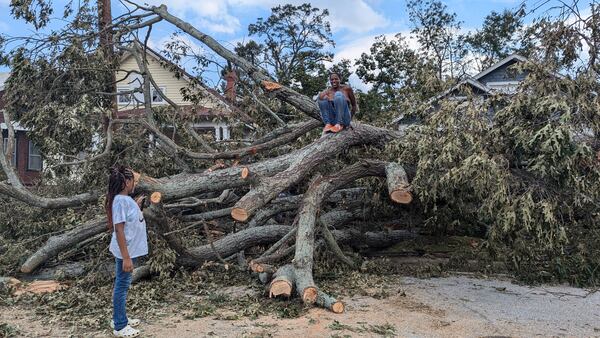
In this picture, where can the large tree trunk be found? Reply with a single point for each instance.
(303, 163)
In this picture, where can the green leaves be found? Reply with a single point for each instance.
(528, 173)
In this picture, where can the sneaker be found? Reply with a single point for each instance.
(327, 128)
(127, 331)
(336, 129)
(131, 322)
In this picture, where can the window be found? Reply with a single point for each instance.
(34, 160)
(13, 160)
(123, 98)
(156, 97)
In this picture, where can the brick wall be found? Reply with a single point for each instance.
(27, 176)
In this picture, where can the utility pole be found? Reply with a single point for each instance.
(106, 44)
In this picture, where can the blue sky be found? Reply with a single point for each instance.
(355, 23)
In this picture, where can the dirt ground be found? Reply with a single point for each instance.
(457, 306)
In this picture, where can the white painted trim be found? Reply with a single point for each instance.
(215, 126)
(16, 127)
(163, 89)
(502, 83)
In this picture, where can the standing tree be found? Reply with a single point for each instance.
(436, 31)
(295, 41)
(399, 76)
(497, 38)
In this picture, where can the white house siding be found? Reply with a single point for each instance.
(164, 78)
(172, 85)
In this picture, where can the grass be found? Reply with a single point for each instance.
(385, 330)
(7, 330)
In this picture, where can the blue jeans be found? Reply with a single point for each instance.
(336, 111)
(122, 282)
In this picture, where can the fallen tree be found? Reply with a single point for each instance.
(187, 201)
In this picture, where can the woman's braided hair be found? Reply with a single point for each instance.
(116, 183)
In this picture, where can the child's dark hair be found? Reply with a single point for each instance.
(116, 184)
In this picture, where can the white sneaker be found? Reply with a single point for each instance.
(127, 331)
(133, 322)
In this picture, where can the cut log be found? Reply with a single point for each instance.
(271, 86)
(282, 283)
(156, 197)
(261, 267)
(239, 214)
(397, 182)
(56, 244)
(245, 172)
(382, 239)
(328, 302)
(69, 270)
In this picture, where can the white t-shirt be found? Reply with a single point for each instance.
(125, 210)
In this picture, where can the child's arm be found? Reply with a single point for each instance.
(121, 241)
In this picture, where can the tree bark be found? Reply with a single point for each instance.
(55, 245)
(328, 302)
(303, 162)
(320, 189)
(397, 182)
(283, 282)
(282, 204)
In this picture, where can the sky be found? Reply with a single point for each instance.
(355, 23)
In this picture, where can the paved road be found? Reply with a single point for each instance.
(540, 310)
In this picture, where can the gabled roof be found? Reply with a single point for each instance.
(499, 64)
(474, 80)
(468, 80)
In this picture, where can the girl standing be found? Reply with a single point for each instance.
(129, 241)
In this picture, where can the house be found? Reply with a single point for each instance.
(212, 114)
(26, 157)
(501, 78)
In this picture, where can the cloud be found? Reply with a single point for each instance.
(353, 49)
(353, 15)
(215, 15)
(183, 40)
(212, 15)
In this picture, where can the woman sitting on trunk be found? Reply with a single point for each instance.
(337, 104)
